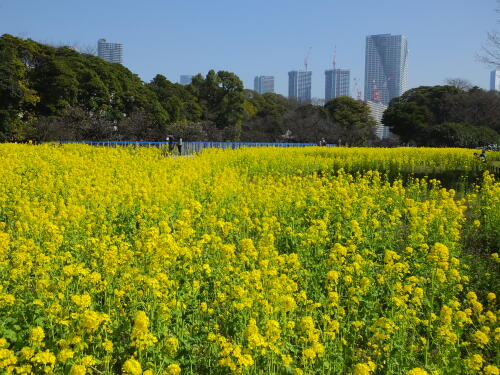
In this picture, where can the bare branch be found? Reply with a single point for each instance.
(490, 52)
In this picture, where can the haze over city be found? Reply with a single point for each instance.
(265, 38)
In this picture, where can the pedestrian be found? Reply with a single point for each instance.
(179, 146)
(170, 144)
(483, 155)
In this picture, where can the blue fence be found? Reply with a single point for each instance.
(193, 147)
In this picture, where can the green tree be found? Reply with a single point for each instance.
(462, 135)
(176, 99)
(17, 99)
(353, 119)
(412, 114)
(349, 113)
(221, 98)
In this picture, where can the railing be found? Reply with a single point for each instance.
(193, 147)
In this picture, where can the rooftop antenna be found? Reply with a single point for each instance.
(334, 57)
(306, 59)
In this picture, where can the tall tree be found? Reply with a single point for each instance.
(411, 114)
(221, 98)
(17, 99)
(353, 119)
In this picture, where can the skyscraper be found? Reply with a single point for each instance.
(386, 67)
(337, 83)
(263, 84)
(495, 80)
(299, 85)
(111, 52)
(377, 110)
(186, 79)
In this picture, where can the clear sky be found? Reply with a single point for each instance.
(256, 37)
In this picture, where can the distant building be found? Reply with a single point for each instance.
(337, 83)
(495, 80)
(386, 67)
(299, 85)
(111, 52)
(377, 111)
(186, 79)
(318, 102)
(263, 84)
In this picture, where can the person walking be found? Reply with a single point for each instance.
(179, 146)
(170, 144)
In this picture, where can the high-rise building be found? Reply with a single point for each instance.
(299, 85)
(377, 110)
(186, 79)
(263, 84)
(111, 52)
(337, 83)
(386, 67)
(495, 80)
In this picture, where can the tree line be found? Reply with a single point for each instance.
(445, 116)
(49, 93)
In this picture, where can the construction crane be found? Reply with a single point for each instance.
(306, 59)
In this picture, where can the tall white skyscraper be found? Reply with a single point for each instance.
(299, 85)
(111, 52)
(495, 80)
(263, 84)
(337, 83)
(386, 67)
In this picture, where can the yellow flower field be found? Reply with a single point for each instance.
(253, 261)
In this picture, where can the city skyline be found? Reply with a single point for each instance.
(222, 36)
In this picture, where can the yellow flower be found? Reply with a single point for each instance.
(362, 369)
(475, 362)
(173, 369)
(287, 360)
(480, 338)
(132, 367)
(65, 354)
(107, 345)
(309, 353)
(91, 320)
(417, 371)
(491, 297)
(7, 358)
(37, 335)
(491, 370)
(78, 370)
(141, 337)
(172, 344)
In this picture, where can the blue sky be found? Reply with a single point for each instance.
(256, 37)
